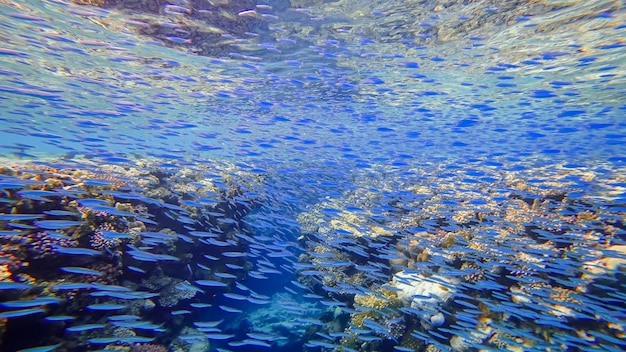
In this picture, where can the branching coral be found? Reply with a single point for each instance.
(371, 306)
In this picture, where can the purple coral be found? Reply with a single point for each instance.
(44, 244)
(99, 241)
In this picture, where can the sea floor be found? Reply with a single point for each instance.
(155, 256)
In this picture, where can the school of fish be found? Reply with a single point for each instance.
(351, 175)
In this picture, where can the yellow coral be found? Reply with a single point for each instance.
(382, 299)
(379, 231)
(586, 216)
(5, 273)
(357, 318)
(449, 240)
(125, 207)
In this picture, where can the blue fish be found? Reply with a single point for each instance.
(234, 266)
(215, 336)
(84, 327)
(257, 300)
(58, 235)
(20, 313)
(146, 221)
(257, 275)
(18, 217)
(235, 296)
(37, 195)
(200, 305)
(157, 235)
(208, 324)
(150, 257)
(136, 269)
(77, 251)
(60, 213)
(56, 224)
(144, 325)
(105, 306)
(21, 226)
(185, 286)
(124, 295)
(233, 254)
(260, 336)
(180, 312)
(71, 286)
(80, 271)
(225, 275)
(110, 210)
(8, 185)
(47, 348)
(203, 234)
(269, 271)
(39, 301)
(93, 202)
(10, 233)
(4, 285)
(112, 235)
(211, 283)
(59, 318)
(123, 317)
(230, 309)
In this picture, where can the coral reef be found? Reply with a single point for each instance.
(428, 268)
(85, 234)
(284, 317)
(427, 294)
(468, 267)
(171, 294)
(104, 237)
(148, 347)
(43, 244)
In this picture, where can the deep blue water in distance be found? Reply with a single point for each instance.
(243, 175)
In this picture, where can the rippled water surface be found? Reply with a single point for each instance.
(214, 175)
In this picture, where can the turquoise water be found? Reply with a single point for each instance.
(312, 175)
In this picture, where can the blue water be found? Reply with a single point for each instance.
(312, 175)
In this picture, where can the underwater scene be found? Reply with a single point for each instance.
(312, 175)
